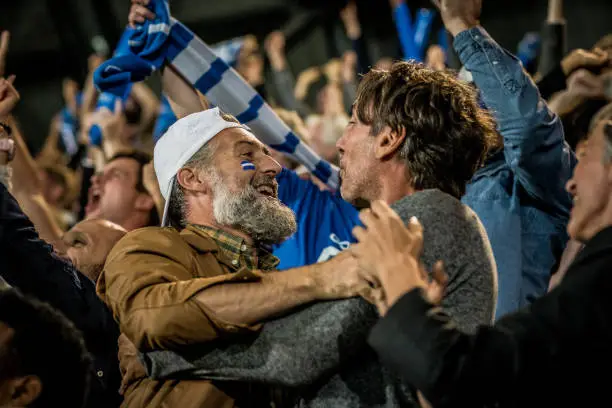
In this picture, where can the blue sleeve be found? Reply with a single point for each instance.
(405, 32)
(534, 145)
(29, 264)
(325, 222)
(292, 190)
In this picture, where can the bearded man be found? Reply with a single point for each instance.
(209, 280)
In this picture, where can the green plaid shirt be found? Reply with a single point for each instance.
(239, 252)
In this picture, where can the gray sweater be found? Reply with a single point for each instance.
(320, 349)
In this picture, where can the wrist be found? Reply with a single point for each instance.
(353, 31)
(399, 275)
(457, 26)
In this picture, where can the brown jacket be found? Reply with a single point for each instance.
(149, 281)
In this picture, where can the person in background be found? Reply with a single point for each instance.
(118, 194)
(56, 375)
(519, 193)
(31, 265)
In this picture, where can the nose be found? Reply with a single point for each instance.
(96, 178)
(340, 143)
(571, 187)
(269, 166)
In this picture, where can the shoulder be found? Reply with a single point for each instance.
(149, 237)
(149, 242)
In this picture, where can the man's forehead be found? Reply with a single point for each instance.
(122, 163)
(233, 137)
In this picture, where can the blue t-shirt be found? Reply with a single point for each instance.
(325, 222)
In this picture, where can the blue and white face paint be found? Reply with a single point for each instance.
(247, 165)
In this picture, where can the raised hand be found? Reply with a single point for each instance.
(459, 15)
(275, 48)
(4, 47)
(580, 58)
(8, 97)
(585, 84)
(139, 13)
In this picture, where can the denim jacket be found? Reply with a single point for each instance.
(520, 193)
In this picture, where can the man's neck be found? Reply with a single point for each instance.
(394, 184)
(136, 221)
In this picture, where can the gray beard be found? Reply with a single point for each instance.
(265, 219)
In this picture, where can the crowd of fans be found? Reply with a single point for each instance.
(157, 253)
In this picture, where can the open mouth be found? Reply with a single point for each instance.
(267, 190)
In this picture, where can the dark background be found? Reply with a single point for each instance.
(51, 39)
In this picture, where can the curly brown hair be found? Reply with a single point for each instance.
(448, 134)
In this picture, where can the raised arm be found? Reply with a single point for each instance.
(534, 145)
(26, 183)
(553, 38)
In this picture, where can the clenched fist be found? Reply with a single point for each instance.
(459, 15)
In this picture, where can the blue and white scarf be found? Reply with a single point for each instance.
(166, 39)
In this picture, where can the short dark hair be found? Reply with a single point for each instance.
(448, 134)
(143, 158)
(45, 344)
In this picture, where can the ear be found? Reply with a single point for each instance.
(388, 142)
(193, 180)
(25, 390)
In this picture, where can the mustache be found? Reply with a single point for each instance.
(265, 181)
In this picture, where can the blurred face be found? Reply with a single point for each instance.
(113, 195)
(590, 187)
(88, 244)
(358, 164)
(245, 197)
(52, 190)
(251, 68)
(330, 100)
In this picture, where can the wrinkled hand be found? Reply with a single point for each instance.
(8, 97)
(585, 84)
(388, 253)
(339, 278)
(584, 59)
(139, 13)
(459, 15)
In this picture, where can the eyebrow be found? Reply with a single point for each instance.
(253, 145)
